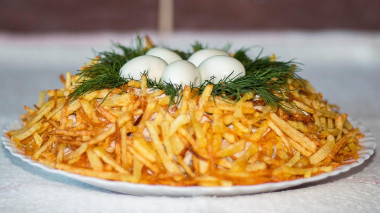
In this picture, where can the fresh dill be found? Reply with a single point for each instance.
(105, 73)
(264, 77)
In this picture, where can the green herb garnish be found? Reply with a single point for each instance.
(106, 73)
(264, 77)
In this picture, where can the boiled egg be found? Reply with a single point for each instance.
(181, 73)
(154, 66)
(165, 54)
(198, 57)
(221, 67)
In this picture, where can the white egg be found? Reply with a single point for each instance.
(198, 57)
(221, 67)
(153, 65)
(165, 54)
(181, 73)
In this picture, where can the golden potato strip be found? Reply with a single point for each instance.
(41, 99)
(323, 122)
(102, 136)
(301, 126)
(164, 101)
(293, 160)
(150, 165)
(29, 110)
(348, 125)
(195, 165)
(258, 134)
(177, 145)
(124, 118)
(166, 138)
(74, 160)
(108, 115)
(325, 113)
(90, 96)
(185, 166)
(89, 110)
(124, 145)
(58, 93)
(58, 108)
(24, 134)
(203, 99)
(339, 122)
(98, 174)
(324, 151)
(68, 80)
(239, 164)
(168, 163)
(203, 166)
(238, 112)
(231, 149)
(133, 83)
(205, 96)
(216, 143)
(341, 143)
(317, 121)
(61, 152)
(117, 100)
(217, 120)
(303, 171)
(74, 133)
(144, 85)
(304, 107)
(330, 124)
(137, 168)
(143, 147)
(293, 133)
(44, 147)
(238, 126)
(155, 94)
(280, 134)
(185, 98)
(63, 120)
(256, 167)
(73, 106)
(94, 160)
(200, 136)
(180, 121)
(147, 114)
(37, 139)
(230, 137)
(299, 148)
(289, 164)
(77, 153)
(186, 135)
(247, 108)
(100, 152)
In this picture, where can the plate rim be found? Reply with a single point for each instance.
(368, 143)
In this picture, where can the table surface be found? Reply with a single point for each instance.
(344, 66)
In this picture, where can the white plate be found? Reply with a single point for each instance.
(368, 147)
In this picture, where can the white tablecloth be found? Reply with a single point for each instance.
(344, 66)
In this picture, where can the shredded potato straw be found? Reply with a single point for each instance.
(134, 134)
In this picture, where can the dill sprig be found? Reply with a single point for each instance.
(105, 72)
(264, 77)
